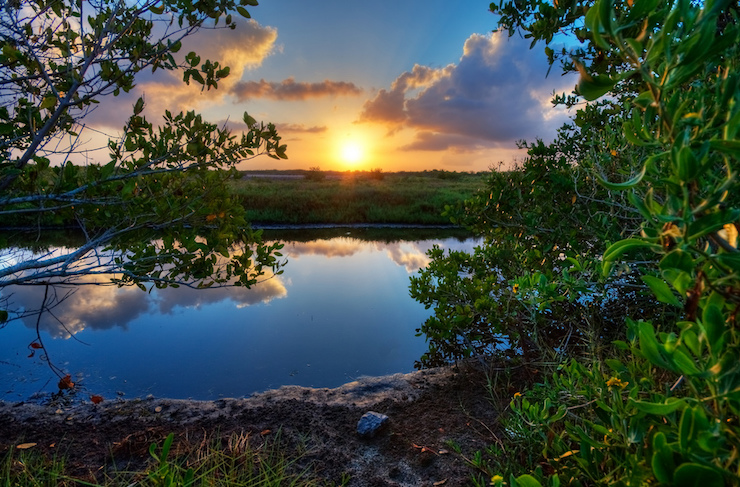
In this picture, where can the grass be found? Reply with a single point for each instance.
(353, 197)
(237, 460)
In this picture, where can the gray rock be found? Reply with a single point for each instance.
(370, 423)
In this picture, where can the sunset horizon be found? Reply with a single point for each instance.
(348, 87)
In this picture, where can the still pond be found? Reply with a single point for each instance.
(340, 311)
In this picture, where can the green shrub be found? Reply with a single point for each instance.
(664, 408)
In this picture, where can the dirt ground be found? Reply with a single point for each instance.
(426, 410)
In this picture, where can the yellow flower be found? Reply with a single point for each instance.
(517, 394)
(616, 382)
(497, 480)
(515, 288)
(729, 234)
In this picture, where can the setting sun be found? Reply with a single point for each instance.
(351, 153)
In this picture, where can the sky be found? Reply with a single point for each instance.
(396, 85)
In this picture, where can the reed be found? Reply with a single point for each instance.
(353, 197)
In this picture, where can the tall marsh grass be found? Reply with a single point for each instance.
(341, 198)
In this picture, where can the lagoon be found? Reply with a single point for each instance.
(340, 311)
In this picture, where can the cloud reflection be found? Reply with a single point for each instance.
(98, 307)
(412, 259)
(408, 254)
(264, 292)
(74, 308)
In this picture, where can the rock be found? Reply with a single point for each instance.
(370, 423)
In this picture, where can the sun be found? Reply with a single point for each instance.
(352, 153)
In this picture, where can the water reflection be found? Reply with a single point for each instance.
(100, 306)
(410, 255)
(340, 310)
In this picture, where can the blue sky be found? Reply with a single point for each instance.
(396, 85)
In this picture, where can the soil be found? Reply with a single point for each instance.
(427, 410)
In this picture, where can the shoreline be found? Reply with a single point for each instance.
(363, 392)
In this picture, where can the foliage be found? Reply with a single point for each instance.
(157, 201)
(534, 286)
(376, 174)
(663, 408)
(315, 174)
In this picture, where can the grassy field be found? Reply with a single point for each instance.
(294, 197)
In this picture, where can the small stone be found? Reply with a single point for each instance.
(370, 423)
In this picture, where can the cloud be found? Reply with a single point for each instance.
(246, 47)
(241, 49)
(289, 89)
(389, 106)
(300, 128)
(434, 141)
(496, 94)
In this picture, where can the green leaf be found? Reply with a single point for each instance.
(606, 16)
(641, 8)
(593, 23)
(661, 290)
(249, 120)
(714, 324)
(649, 345)
(593, 87)
(139, 106)
(618, 248)
(616, 365)
(48, 102)
(625, 185)
(688, 165)
(643, 100)
(678, 259)
(729, 147)
(681, 281)
(243, 12)
(3, 316)
(128, 188)
(730, 260)
(695, 475)
(684, 364)
(526, 481)
(712, 222)
(662, 461)
(671, 405)
(197, 76)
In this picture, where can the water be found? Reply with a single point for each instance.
(340, 311)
